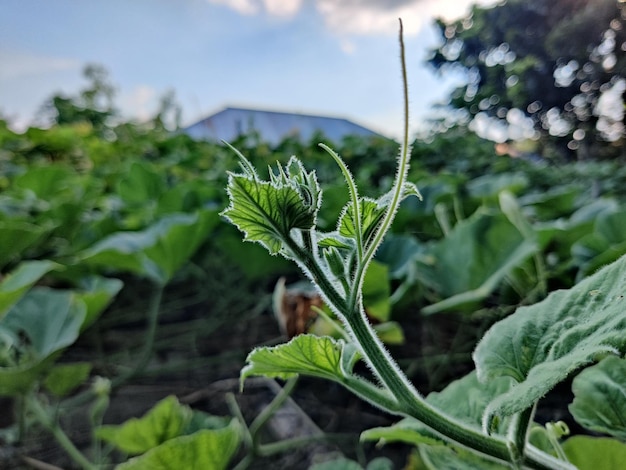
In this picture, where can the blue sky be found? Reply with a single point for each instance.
(333, 57)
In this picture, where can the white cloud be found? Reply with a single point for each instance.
(17, 65)
(379, 16)
(281, 8)
(362, 17)
(140, 103)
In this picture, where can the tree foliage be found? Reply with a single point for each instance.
(560, 63)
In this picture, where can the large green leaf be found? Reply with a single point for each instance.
(474, 259)
(540, 345)
(32, 334)
(600, 397)
(46, 182)
(203, 450)
(97, 292)
(156, 252)
(141, 185)
(50, 319)
(604, 245)
(312, 355)
(265, 211)
(17, 282)
(595, 453)
(166, 420)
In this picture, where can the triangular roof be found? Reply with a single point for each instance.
(273, 126)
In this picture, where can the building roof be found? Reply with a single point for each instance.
(272, 126)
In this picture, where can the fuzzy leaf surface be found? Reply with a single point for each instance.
(540, 345)
(372, 214)
(267, 212)
(312, 355)
(600, 397)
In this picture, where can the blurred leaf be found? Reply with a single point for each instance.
(390, 332)
(376, 291)
(380, 463)
(50, 321)
(16, 237)
(45, 182)
(97, 292)
(142, 184)
(156, 252)
(600, 397)
(490, 186)
(166, 420)
(17, 282)
(595, 453)
(64, 378)
(474, 259)
(203, 450)
(540, 345)
(338, 464)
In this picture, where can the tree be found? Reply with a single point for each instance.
(560, 63)
(93, 105)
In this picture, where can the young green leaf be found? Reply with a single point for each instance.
(372, 213)
(267, 211)
(312, 355)
(600, 397)
(540, 345)
(64, 378)
(167, 420)
(206, 449)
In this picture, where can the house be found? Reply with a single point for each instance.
(272, 126)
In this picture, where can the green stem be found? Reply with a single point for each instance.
(270, 409)
(42, 417)
(267, 450)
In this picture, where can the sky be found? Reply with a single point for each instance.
(337, 58)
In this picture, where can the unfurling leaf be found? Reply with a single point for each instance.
(372, 214)
(540, 345)
(267, 211)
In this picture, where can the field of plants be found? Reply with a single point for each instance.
(129, 304)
